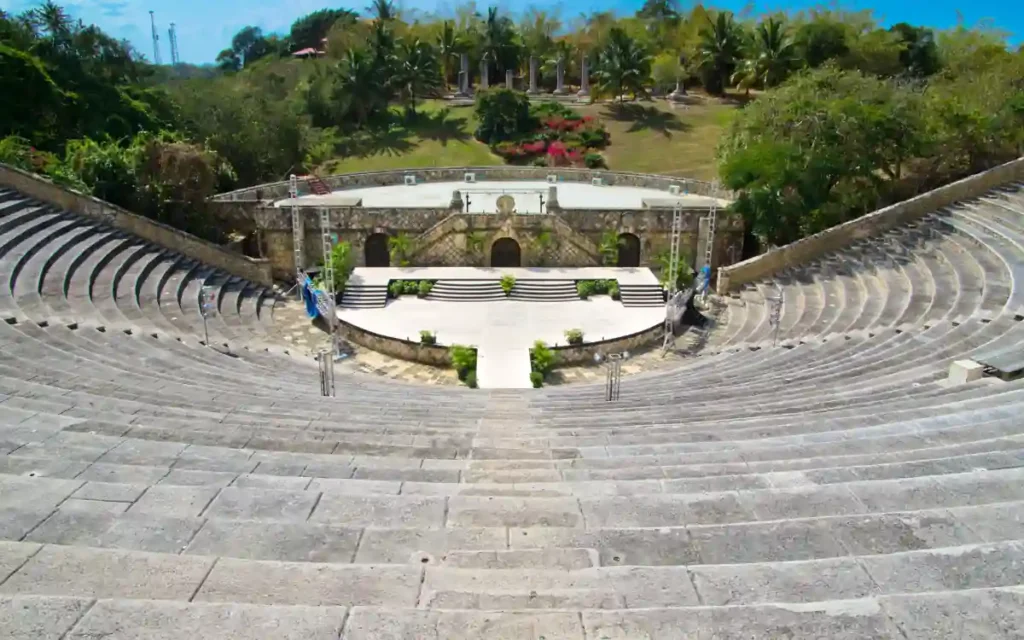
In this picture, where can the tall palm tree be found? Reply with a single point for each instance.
(450, 45)
(359, 84)
(499, 43)
(418, 71)
(51, 20)
(382, 10)
(720, 45)
(772, 56)
(623, 64)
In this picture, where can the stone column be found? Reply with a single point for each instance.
(463, 76)
(484, 74)
(509, 79)
(560, 78)
(533, 76)
(552, 203)
(679, 93)
(584, 91)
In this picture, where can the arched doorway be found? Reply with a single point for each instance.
(629, 250)
(377, 250)
(505, 252)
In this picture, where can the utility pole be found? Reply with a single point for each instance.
(156, 39)
(172, 36)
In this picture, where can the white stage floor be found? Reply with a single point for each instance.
(370, 276)
(483, 196)
(504, 330)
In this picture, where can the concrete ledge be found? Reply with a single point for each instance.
(872, 224)
(279, 190)
(34, 186)
(572, 355)
(435, 355)
(964, 371)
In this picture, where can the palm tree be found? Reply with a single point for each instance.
(771, 57)
(719, 49)
(400, 249)
(382, 10)
(359, 84)
(622, 64)
(50, 19)
(450, 45)
(499, 41)
(418, 71)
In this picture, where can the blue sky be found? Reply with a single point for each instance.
(206, 26)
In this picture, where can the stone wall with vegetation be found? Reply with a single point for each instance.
(569, 355)
(33, 186)
(435, 355)
(873, 224)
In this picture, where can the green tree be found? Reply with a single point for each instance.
(419, 71)
(920, 54)
(450, 45)
(311, 29)
(770, 59)
(721, 43)
(400, 249)
(623, 64)
(820, 39)
(503, 114)
(499, 43)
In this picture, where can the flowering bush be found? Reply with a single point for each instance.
(562, 137)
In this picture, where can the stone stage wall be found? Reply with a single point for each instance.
(443, 236)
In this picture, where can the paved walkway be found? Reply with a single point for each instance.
(370, 276)
(504, 330)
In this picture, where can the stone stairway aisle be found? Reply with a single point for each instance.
(499, 366)
(364, 296)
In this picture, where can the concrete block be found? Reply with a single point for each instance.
(964, 371)
(182, 502)
(39, 617)
(284, 541)
(262, 504)
(380, 511)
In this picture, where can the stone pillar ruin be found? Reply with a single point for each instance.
(464, 76)
(552, 203)
(484, 74)
(584, 91)
(509, 84)
(560, 77)
(533, 76)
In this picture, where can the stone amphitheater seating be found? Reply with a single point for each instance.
(833, 487)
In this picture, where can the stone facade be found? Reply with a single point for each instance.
(444, 236)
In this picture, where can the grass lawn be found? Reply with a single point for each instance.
(646, 137)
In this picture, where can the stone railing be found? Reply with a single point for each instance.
(34, 186)
(501, 173)
(841, 236)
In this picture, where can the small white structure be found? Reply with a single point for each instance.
(964, 371)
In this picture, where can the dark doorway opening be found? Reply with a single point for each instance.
(377, 250)
(629, 250)
(505, 252)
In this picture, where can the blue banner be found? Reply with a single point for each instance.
(309, 296)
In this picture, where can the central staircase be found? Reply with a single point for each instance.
(545, 291)
(467, 291)
(364, 296)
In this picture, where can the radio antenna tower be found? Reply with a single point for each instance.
(172, 36)
(156, 40)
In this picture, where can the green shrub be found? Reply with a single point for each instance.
(536, 379)
(574, 336)
(471, 380)
(427, 337)
(594, 139)
(542, 358)
(411, 287)
(585, 288)
(395, 288)
(594, 160)
(463, 360)
(503, 114)
(424, 288)
(508, 282)
(613, 290)
(540, 161)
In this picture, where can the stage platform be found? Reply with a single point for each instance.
(502, 330)
(375, 276)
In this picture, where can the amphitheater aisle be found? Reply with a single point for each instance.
(833, 486)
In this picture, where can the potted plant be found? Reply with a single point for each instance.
(508, 282)
(574, 336)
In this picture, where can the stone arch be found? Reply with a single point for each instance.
(629, 250)
(505, 252)
(376, 250)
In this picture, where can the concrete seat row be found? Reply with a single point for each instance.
(833, 485)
